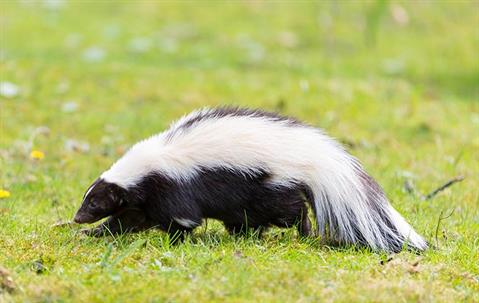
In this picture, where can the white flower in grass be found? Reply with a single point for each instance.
(94, 54)
(9, 89)
(69, 107)
(72, 145)
(54, 4)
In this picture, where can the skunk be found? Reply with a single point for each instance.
(250, 169)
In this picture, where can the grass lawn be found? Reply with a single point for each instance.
(396, 82)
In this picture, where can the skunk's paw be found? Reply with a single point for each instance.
(94, 232)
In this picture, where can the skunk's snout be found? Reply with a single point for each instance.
(78, 219)
(83, 218)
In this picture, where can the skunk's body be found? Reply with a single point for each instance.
(256, 169)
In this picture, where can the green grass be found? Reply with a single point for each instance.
(404, 97)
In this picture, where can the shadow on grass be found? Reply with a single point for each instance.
(213, 239)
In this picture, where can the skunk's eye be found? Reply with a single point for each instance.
(93, 204)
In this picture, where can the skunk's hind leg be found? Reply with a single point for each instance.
(304, 225)
(289, 210)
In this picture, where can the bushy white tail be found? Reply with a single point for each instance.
(351, 208)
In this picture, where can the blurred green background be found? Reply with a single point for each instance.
(397, 82)
(131, 59)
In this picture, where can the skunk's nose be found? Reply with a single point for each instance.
(77, 219)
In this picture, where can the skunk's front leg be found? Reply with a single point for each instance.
(128, 220)
(178, 232)
(242, 229)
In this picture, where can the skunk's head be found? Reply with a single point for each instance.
(102, 199)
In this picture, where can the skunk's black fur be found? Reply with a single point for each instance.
(157, 201)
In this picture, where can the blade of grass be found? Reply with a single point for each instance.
(106, 256)
(133, 246)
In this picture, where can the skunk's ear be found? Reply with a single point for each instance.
(111, 195)
(122, 201)
(114, 194)
(118, 195)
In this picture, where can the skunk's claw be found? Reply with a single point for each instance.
(93, 232)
